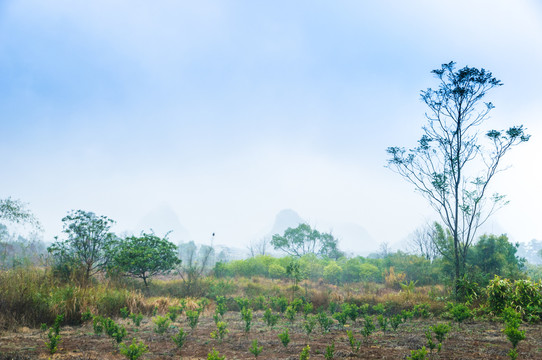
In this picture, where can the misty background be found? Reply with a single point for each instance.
(241, 118)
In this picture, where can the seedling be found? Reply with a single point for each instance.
(305, 353)
(284, 338)
(215, 355)
(161, 324)
(270, 318)
(124, 312)
(354, 344)
(134, 351)
(136, 319)
(255, 349)
(180, 338)
(309, 324)
(246, 315)
(330, 351)
(193, 318)
(221, 331)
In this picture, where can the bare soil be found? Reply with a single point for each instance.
(471, 340)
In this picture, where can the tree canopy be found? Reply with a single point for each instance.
(305, 240)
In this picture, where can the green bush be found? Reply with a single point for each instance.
(134, 351)
(330, 351)
(269, 318)
(161, 324)
(215, 355)
(284, 337)
(324, 321)
(246, 315)
(221, 331)
(255, 349)
(193, 318)
(305, 353)
(180, 338)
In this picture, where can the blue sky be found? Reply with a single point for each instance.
(229, 111)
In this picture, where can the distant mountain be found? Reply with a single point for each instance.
(354, 239)
(285, 219)
(163, 219)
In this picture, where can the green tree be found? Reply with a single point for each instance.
(88, 242)
(450, 166)
(145, 256)
(16, 211)
(305, 240)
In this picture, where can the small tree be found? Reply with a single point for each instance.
(450, 167)
(145, 256)
(87, 244)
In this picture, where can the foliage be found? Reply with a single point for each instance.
(333, 273)
(136, 319)
(180, 338)
(193, 318)
(255, 349)
(324, 321)
(246, 315)
(145, 256)
(459, 312)
(54, 339)
(161, 324)
(330, 351)
(305, 353)
(221, 331)
(124, 312)
(215, 355)
(440, 167)
(284, 337)
(16, 211)
(395, 321)
(87, 245)
(98, 324)
(134, 351)
(305, 240)
(354, 344)
(421, 311)
(290, 313)
(269, 318)
(341, 317)
(382, 322)
(420, 354)
(309, 324)
(221, 307)
(368, 327)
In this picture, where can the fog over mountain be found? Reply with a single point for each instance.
(164, 219)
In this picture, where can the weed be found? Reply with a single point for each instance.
(161, 324)
(133, 351)
(255, 349)
(284, 337)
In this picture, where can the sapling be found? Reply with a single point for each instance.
(136, 319)
(420, 354)
(368, 327)
(54, 339)
(180, 338)
(440, 330)
(193, 318)
(221, 331)
(86, 315)
(270, 318)
(341, 317)
(133, 351)
(98, 324)
(124, 312)
(330, 351)
(221, 307)
(354, 344)
(246, 315)
(290, 313)
(395, 321)
(305, 353)
(307, 309)
(324, 321)
(284, 337)
(215, 355)
(255, 349)
(382, 322)
(430, 343)
(161, 324)
(309, 324)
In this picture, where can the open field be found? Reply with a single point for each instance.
(470, 340)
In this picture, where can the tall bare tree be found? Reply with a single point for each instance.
(450, 166)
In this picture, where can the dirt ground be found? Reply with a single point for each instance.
(471, 340)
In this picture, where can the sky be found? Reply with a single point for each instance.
(228, 112)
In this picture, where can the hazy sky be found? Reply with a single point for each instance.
(230, 111)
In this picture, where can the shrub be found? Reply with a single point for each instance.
(330, 351)
(307, 309)
(421, 311)
(309, 324)
(354, 344)
(98, 324)
(246, 315)
(382, 322)
(279, 304)
(255, 349)
(161, 324)
(341, 317)
(368, 327)
(459, 312)
(193, 318)
(290, 314)
(440, 330)
(215, 355)
(136, 319)
(269, 318)
(284, 337)
(180, 338)
(54, 339)
(324, 321)
(134, 351)
(420, 354)
(395, 321)
(221, 307)
(124, 312)
(221, 331)
(305, 353)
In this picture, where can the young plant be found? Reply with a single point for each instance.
(215, 355)
(341, 317)
(324, 321)
(180, 338)
(161, 324)
(352, 310)
(269, 318)
(279, 303)
(330, 351)
(395, 321)
(420, 354)
(355, 345)
(119, 334)
(440, 330)
(406, 315)
(290, 313)
(221, 307)
(368, 327)
(307, 309)
(255, 349)
(459, 312)
(430, 343)
(54, 339)
(246, 315)
(58, 322)
(174, 312)
(98, 324)
(133, 351)
(221, 331)
(305, 353)
(284, 337)
(309, 324)
(379, 309)
(421, 311)
(513, 321)
(193, 318)
(136, 319)
(124, 312)
(86, 315)
(382, 322)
